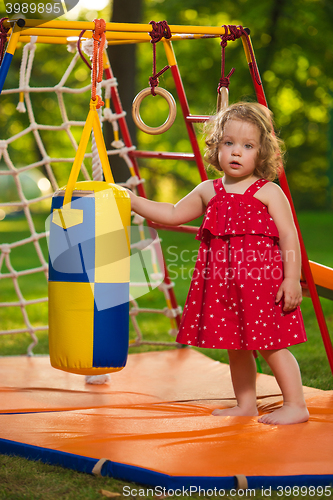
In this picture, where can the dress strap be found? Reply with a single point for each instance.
(251, 190)
(218, 186)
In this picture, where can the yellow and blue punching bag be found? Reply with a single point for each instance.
(89, 249)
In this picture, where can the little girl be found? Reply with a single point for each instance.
(245, 291)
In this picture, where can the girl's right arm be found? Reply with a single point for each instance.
(187, 209)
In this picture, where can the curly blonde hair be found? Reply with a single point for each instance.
(271, 147)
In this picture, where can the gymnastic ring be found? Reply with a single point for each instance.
(222, 99)
(136, 111)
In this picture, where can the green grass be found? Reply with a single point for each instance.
(24, 480)
(317, 232)
(21, 479)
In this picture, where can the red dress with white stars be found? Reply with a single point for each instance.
(231, 301)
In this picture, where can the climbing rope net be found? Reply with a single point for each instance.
(23, 95)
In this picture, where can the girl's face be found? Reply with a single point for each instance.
(238, 151)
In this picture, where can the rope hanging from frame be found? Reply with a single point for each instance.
(97, 60)
(232, 33)
(160, 30)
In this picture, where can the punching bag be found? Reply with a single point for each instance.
(89, 249)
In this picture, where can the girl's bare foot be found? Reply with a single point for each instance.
(236, 411)
(288, 414)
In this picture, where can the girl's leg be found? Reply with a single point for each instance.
(243, 375)
(286, 371)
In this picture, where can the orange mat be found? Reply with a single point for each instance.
(153, 424)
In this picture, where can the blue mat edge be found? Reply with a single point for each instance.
(148, 477)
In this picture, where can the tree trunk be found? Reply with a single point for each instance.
(123, 63)
(272, 30)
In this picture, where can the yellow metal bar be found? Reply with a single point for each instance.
(132, 171)
(56, 40)
(63, 40)
(169, 53)
(246, 49)
(88, 34)
(123, 27)
(145, 37)
(14, 38)
(106, 62)
(126, 42)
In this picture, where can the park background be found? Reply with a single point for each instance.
(293, 44)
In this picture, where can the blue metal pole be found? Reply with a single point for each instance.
(4, 69)
(12, 44)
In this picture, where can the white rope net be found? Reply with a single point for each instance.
(48, 170)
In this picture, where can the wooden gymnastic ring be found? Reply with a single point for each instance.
(136, 111)
(222, 99)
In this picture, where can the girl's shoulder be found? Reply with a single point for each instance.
(270, 192)
(206, 190)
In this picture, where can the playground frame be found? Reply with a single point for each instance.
(117, 33)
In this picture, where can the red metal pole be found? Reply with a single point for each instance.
(123, 125)
(305, 260)
(190, 129)
(162, 155)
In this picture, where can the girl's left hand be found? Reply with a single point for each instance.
(291, 291)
